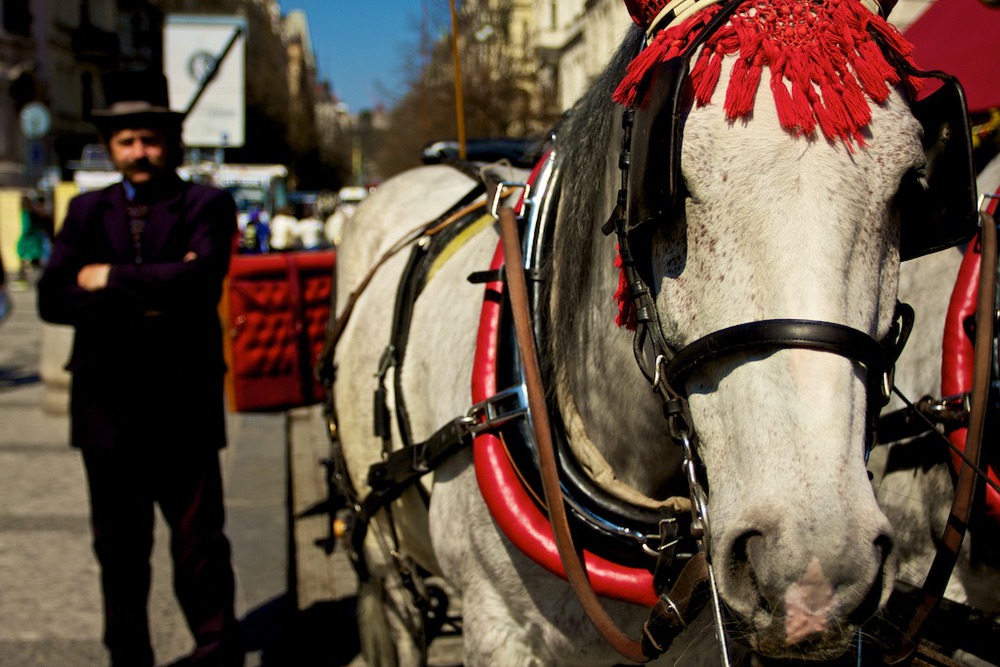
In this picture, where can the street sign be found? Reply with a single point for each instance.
(35, 120)
(205, 63)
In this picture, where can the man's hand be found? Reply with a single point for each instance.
(93, 277)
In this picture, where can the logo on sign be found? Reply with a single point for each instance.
(201, 65)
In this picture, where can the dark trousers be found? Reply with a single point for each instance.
(187, 485)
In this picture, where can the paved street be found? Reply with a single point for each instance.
(50, 606)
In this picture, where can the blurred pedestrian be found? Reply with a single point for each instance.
(254, 233)
(336, 222)
(263, 229)
(137, 270)
(33, 245)
(284, 234)
(311, 232)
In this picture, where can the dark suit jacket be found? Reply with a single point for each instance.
(147, 359)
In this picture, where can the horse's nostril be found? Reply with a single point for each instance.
(742, 582)
(745, 545)
(885, 546)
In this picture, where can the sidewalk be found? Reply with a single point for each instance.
(50, 602)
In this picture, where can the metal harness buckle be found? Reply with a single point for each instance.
(503, 190)
(497, 410)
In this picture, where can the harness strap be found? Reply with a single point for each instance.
(404, 466)
(809, 334)
(576, 574)
(402, 313)
(668, 617)
(878, 358)
(324, 365)
(392, 476)
(482, 277)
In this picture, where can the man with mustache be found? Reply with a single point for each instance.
(137, 270)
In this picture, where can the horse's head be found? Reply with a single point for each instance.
(778, 226)
(785, 206)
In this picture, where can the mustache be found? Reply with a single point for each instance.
(142, 164)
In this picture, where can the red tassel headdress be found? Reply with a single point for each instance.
(823, 58)
(824, 61)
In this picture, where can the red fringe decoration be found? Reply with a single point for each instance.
(623, 298)
(666, 44)
(823, 63)
(823, 59)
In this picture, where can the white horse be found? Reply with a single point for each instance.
(774, 226)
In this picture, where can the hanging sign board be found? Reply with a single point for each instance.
(205, 62)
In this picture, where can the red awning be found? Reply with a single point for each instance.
(961, 37)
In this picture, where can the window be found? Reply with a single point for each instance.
(17, 17)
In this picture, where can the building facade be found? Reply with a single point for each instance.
(575, 40)
(54, 54)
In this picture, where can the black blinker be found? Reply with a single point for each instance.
(938, 210)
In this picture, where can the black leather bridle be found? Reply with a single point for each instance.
(877, 357)
(941, 213)
(672, 367)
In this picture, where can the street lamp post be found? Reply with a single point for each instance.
(459, 104)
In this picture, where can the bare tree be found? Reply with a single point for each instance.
(497, 79)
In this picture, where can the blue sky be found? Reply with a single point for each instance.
(361, 45)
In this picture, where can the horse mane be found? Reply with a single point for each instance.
(582, 149)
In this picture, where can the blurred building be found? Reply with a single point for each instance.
(575, 40)
(303, 107)
(335, 128)
(54, 53)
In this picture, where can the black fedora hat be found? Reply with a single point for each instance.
(135, 97)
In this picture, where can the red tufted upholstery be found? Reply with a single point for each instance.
(278, 308)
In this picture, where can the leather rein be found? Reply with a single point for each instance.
(689, 594)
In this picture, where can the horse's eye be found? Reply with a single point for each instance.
(914, 176)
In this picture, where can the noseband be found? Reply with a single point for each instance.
(878, 358)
